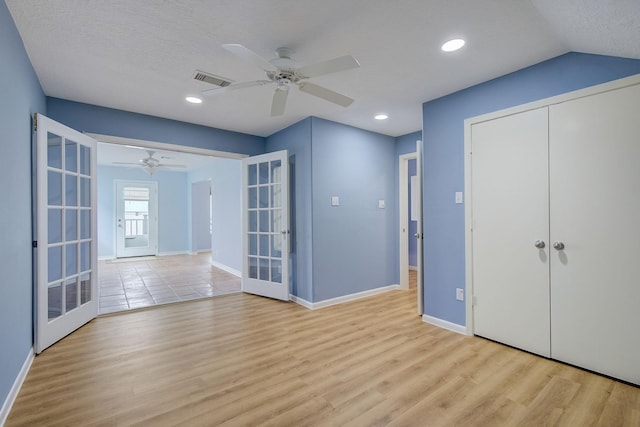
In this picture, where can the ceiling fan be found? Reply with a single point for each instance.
(284, 71)
(150, 164)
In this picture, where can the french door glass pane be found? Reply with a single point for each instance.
(71, 294)
(264, 173)
(85, 256)
(54, 190)
(85, 288)
(54, 151)
(253, 198)
(71, 259)
(276, 246)
(85, 224)
(85, 192)
(253, 244)
(264, 245)
(253, 267)
(70, 156)
(71, 224)
(85, 160)
(253, 175)
(264, 269)
(264, 221)
(71, 190)
(264, 196)
(54, 224)
(276, 271)
(275, 171)
(55, 301)
(55, 263)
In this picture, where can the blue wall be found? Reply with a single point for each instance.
(173, 212)
(443, 131)
(107, 121)
(225, 176)
(297, 140)
(21, 97)
(353, 244)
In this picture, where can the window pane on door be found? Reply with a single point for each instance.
(71, 294)
(55, 225)
(71, 224)
(54, 190)
(55, 301)
(70, 156)
(55, 263)
(54, 151)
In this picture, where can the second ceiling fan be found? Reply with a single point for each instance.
(284, 72)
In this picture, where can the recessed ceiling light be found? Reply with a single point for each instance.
(381, 117)
(193, 100)
(452, 45)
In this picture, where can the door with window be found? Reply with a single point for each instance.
(266, 234)
(136, 218)
(65, 231)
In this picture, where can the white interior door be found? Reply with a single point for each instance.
(595, 213)
(509, 167)
(265, 186)
(419, 231)
(136, 218)
(66, 257)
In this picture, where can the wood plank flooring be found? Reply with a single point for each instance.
(240, 360)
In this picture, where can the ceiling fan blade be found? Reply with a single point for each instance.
(279, 101)
(342, 63)
(126, 163)
(249, 55)
(235, 87)
(167, 165)
(326, 94)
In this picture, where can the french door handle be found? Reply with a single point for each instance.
(539, 244)
(558, 246)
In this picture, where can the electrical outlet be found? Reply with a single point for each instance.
(460, 294)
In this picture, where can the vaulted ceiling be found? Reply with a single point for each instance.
(141, 55)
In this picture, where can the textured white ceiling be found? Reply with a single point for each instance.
(141, 55)
(110, 153)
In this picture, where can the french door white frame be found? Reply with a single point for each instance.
(119, 221)
(65, 231)
(265, 230)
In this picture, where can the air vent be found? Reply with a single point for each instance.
(212, 79)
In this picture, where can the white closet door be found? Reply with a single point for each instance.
(595, 212)
(510, 213)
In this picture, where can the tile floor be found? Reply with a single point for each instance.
(130, 283)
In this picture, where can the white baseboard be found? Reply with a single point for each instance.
(106, 257)
(17, 384)
(413, 267)
(344, 298)
(226, 268)
(454, 327)
(173, 253)
(302, 302)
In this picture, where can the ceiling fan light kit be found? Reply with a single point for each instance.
(284, 71)
(150, 164)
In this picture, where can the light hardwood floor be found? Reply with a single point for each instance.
(245, 360)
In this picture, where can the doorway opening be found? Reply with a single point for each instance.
(409, 225)
(136, 218)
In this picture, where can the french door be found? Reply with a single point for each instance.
(266, 235)
(65, 231)
(136, 218)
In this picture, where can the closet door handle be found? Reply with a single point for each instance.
(539, 244)
(558, 246)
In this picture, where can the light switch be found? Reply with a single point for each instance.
(381, 204)
(458, 197)
(335, 201)
(459, 294)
